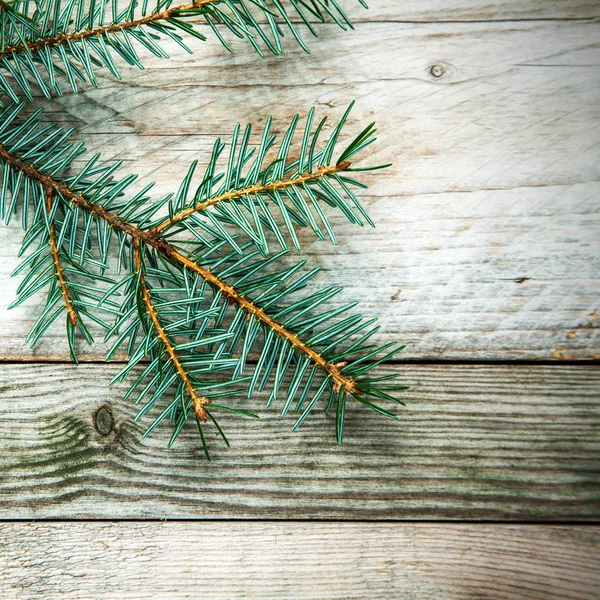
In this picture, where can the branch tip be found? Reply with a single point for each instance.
(199, 404)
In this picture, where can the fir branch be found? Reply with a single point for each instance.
(73, 38)
(297, 338)
(251, 190)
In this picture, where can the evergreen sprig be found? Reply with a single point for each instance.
(191, 297)
(42, 39)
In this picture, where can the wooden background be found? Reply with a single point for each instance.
(485, 261)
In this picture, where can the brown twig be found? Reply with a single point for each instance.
(250, 191)
(57, 266)
(65, 38)
(199, 401)
(155, 240)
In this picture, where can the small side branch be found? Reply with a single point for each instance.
(198, 401)
(250, 191)
(57, 266)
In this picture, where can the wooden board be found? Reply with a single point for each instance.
(291, 560)
(460, 11)
(428, 11)
(486, 245)
(475, 442)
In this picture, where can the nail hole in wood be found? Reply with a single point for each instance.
(437, 70)
(104, 420)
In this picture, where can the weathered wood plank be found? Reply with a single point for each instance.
(476, 442)
(429, 11)
(486, 244)
(293, 560)
(457, 11)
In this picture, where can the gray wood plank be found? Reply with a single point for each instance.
(298, 560)
(471, 10)
(486, 244)
(475, 442)
(457, 11)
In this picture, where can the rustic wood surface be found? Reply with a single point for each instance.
(292, 560)
(486, 248)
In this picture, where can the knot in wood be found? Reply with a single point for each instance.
(437, 71)
(103, 420)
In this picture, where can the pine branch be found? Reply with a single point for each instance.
(199, 339)
(74, 37)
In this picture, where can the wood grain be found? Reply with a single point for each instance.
(475, 442)
(290, 560)
(486, 245)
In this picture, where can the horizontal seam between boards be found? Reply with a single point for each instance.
(593, 523)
